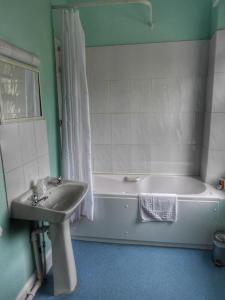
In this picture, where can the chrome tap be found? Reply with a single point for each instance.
(59, 180)
(36, 200)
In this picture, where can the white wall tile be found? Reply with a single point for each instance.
(175, 159)
(140, 61)
(166, 94)
(191, 128)
(159, 97)
(98, 63)
(219, 52)
(147, 95)
(141, 130)
(131, 129)
(121, 129)
(27, 141)
(218, 96)
(131, 158)
(171, 59)
(10, 146)
(192, 58)
(206, 131)
(99, 96)
(209, 93)
(213, 154)
(183, 128)
(14, 184)
(102, 158)
(150, 60)
(101, 129)
(120, 96)
(217, 136)
(140, 95)
(192, 93)
(121, 159)
(204, 163)
(30, 174)
(185, 94)
(22, 146)
(120, 62)
(43, 166)
(216, 163)
(41, 139)
(141, 158)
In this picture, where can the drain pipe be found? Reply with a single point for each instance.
(34, 290)
(43, 247)
(38, 260)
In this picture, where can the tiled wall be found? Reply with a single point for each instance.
(24, 149)
(147, 104)
(213, 159)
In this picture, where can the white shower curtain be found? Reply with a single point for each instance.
(76, 132)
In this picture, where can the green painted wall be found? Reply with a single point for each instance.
(221, 15)
(26, 24)
(175, 20)
(218, 17)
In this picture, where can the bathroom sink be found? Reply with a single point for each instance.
(59, 204)
(55, 206)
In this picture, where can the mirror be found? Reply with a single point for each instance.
(19, 91)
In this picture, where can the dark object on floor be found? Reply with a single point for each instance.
(218, 256)
(218, 263)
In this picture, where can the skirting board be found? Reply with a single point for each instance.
(31, 281)
(130, 242)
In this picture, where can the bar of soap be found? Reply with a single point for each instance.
(131, 179)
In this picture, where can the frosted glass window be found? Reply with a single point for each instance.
(19, 91)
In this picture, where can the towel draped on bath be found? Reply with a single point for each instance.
(157, 207)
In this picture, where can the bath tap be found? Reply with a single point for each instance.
(59, 180)
(54, 180)
(36, 200)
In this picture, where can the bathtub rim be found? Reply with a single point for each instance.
(210, 193)
(200, 198)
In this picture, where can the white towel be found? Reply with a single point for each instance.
(157, 207)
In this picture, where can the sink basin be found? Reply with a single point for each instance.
(61, 202)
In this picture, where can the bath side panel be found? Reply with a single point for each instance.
(116, 218)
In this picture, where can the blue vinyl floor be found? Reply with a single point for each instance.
(127, 272)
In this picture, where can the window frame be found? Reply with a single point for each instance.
(32, 68)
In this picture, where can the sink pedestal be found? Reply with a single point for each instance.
(64, 269)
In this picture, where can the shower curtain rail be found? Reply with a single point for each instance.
(95, 3)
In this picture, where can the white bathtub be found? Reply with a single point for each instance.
(180, 185)
(201, 211)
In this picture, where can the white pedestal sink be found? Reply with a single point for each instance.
(61, 202)
(64, 268)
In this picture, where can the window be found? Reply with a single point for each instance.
(19, 90)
